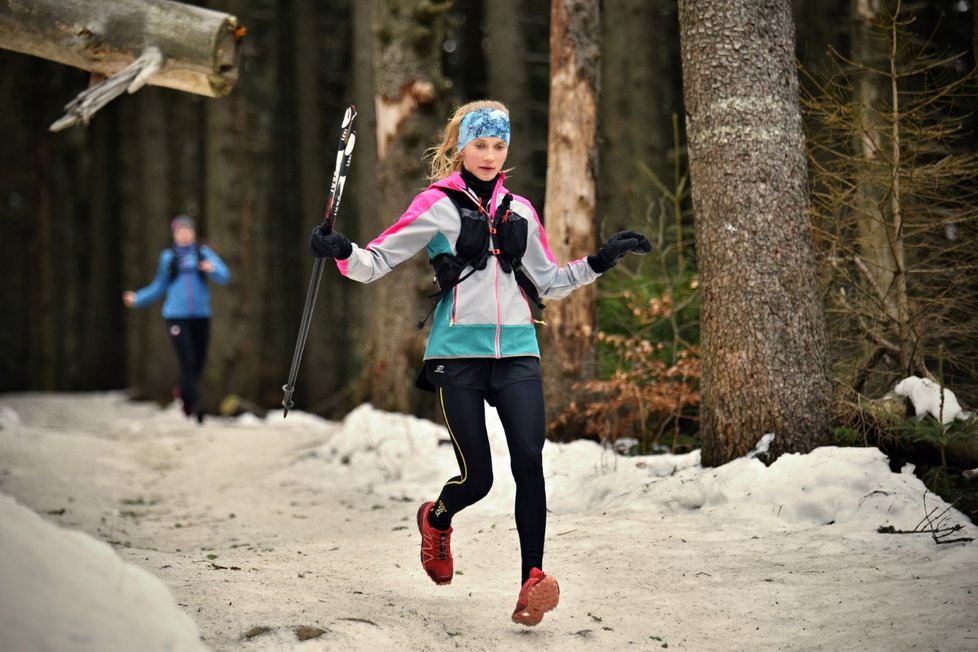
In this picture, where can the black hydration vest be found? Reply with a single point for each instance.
(175, 263)
(506, 232)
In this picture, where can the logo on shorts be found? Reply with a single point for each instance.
(174, 330)
(440, 369)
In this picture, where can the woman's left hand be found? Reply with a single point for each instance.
(612, 251)
(205, 266)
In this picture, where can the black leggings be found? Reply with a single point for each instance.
(521, 409)
(189, 337)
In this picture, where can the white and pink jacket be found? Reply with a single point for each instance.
(487, 315)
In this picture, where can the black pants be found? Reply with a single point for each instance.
(190, 337)
(514, 387)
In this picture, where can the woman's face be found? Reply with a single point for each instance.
(184, 235)
(484, 157)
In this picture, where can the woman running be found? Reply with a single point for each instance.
(491, 259)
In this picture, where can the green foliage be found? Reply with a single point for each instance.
(929, 430)
(645, 306)
(846, 437)
(939, 481)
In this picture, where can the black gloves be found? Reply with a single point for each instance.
(608, 255)
(329, 245)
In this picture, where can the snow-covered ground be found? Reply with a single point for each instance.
(127, 527)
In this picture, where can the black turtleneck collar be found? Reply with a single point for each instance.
(481, 188)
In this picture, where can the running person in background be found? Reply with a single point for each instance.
(491, 258)
(182, 274)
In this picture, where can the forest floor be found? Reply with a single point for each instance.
(264, 542)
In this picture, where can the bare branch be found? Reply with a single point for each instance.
(935, 526)
(130, 78)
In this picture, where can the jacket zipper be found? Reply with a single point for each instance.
(495, 283)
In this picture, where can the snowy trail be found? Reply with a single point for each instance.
(263, 528)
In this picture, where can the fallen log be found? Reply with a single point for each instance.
(157, 42)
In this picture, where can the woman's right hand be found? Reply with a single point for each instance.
(329, 244)
(129, 298)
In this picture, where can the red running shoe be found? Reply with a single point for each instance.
(540, 594)
(436, 548)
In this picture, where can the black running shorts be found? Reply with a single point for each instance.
(488, 375)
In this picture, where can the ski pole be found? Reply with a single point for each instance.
(344, 153)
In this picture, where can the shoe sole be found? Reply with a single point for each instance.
(540, 599)
(437, 579)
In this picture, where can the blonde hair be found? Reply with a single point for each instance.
(445, 157)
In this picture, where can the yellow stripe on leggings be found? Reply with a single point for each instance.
(465, 468)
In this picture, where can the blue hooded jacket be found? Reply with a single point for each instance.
(187, 296)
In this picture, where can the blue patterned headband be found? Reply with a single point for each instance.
(483, 123)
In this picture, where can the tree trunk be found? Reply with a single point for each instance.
(509, 83)
(640, 92)
(519, 77)
(101, 357)
(146, 202)
(360, 217)
(568, 342)
(820, 26)
(243, 207)
(48, 306)
(104, 36)
(974, 35)
(25, 224)
(764, 361)
(330, 361)
(410, 112)
(303, 180)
